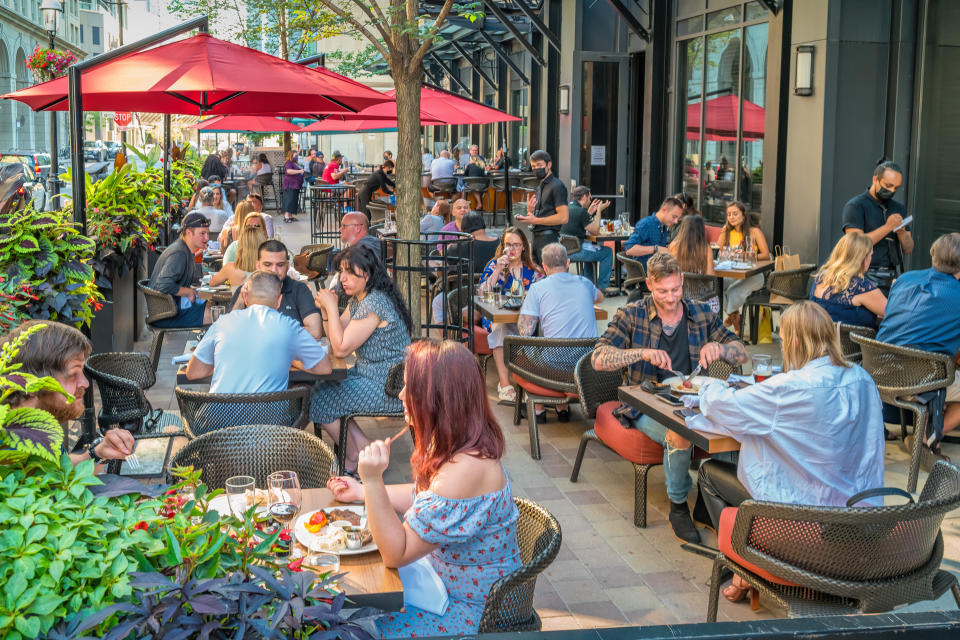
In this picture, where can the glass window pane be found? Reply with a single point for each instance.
(723, 18)
(691, 25)
(687, 7)
(722, 104)
(755, 11)
(754, 91)
(689, 99)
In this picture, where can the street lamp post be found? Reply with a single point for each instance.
(50, 11)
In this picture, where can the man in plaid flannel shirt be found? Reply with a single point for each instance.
(651, 338)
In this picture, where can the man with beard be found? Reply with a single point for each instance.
(59, 351)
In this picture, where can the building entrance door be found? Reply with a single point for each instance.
(604, 139)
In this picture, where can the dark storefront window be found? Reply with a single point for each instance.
(721, 88)
(598, 155)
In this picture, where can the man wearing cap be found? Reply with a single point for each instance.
(174, 270)
(332, 173)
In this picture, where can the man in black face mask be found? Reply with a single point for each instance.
(875, 213)
(546, 209)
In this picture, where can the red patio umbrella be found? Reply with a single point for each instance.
(350, 125)
(721, 122)
(204, 75)
(258, 124)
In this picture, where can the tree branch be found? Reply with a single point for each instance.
(377, 22)
(417, 59)
(343, 15)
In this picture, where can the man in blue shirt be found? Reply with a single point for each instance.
(922, 313)
(250, 350)
(651, 234)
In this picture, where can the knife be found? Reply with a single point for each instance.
(694, 374)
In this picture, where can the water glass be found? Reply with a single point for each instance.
(216, 311)
(321, 560)
(241, 491)
(751, 257)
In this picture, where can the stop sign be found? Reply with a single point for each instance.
(122, 119)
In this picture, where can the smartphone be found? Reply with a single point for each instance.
(685, 413)
(666, 397)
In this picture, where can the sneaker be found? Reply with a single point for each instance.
(682, 523)
(506, 394)
(611, 292)
(563, 415)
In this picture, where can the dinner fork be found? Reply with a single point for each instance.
(132, 461)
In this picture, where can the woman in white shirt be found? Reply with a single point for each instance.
(812, 435)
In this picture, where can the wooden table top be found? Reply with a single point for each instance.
(741, 274)
(508, 316)
(219, 295)
(608, 237)
(368, 582)
(663, 412)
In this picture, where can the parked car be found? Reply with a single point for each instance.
(94, 151)
(33, 186)
(113, 148)
(38, 160)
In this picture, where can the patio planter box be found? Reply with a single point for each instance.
(112, 328)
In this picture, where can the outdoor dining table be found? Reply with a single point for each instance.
(297, 376)
(618, 239)
(368, 582)
(215, 294)
(762, 266)
(494, 313)
(663, 412)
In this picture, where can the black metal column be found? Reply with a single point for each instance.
(166, 165)
(53, 180)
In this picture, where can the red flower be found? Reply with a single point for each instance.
(295, 565)
(285, 535)
(142, 526)
(169, 492)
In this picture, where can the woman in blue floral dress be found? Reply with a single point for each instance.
(459, 511)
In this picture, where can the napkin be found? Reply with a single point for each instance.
(181, 359)
(725, 265)
(423, 588)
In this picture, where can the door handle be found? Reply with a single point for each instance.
(622, 190)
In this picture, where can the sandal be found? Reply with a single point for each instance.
(736, 592)
(506, 394)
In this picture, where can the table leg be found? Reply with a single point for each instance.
(720, 295)
(617, 248)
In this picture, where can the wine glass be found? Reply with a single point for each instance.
(285, 497)
(241, 494)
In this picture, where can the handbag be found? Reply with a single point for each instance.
(782, 262)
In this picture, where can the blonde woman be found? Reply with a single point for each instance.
(240, 259)
(812, 435)
(841, 287)
(738, 233)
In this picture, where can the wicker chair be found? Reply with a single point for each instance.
(636, 273)
(542, 371)
(392, 388)
(317, 257)
(789, 283)
(509, 605)
(122, 379)
(845, 560)
(205, 412)
(378, 212)
(901, 373)
(258, 451)
(159, 307)
(596, 388)
(850, 349)
(699, 287)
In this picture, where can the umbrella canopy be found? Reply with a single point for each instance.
(254, 124)
(204, 75)
(347, 125)
(721, 122)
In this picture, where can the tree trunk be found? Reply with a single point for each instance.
(285, 54)
(408, 169)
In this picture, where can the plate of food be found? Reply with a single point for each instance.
(340, 530)
(221, 504)
(677, 385)
(219, 287)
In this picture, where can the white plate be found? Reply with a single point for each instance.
(697, 381)
(304, 537)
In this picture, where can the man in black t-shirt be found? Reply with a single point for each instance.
(875, 213)
(546, 209)
(296, 301)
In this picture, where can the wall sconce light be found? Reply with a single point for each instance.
(803, 83)
(564, 98)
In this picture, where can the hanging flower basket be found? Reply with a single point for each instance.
(47, 64)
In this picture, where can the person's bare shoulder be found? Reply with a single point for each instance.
(467, 476)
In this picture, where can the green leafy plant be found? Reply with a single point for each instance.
(45, 267)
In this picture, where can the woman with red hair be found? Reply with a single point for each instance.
(459, 510)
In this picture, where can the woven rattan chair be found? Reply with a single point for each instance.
(850, 349)
(596, 388)
(509, 605)
(122, 379)
(845, 560)
(901, 373)
(159, 307)
(636, 273)
(317, 257)
(789, 283)
(258, 451)
(699, 287)
(542, 372)
(378, 212)
(392, 388)
(205, 412)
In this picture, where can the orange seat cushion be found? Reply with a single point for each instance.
(725, 531)
(480, 346)
(713, 233)
(536, 390)
(632, 444)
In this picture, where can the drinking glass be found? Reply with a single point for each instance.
(495, 290)
(609, 226)
(216, 312)
(284, 497)
(238, 488)
(762, 366)
(321, 560)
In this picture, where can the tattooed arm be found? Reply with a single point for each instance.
(527, 324)
(607, 358)
(732, 352)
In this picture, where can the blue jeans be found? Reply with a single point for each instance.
(676, 462)
(192, 316)
(603, 256)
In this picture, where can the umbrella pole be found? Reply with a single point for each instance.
(506, 175)
(166, 175)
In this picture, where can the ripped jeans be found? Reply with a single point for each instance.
(676, 462)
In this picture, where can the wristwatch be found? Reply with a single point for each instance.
(91, 450)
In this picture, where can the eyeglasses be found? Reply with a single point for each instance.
(514, 245)
(254, 226)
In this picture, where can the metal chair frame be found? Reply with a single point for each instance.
(196, 408)
(159, 307)
(789, 283)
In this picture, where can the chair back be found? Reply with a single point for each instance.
(902, 371)
(258, 451)
(636, 274)
(476, 183)
(159, 305)
(121, 379)
(205, 412)
(861, 552)
(791, 283)
(713, 233)
(394, 383)
(849, 348)
(509, 605)
(595, 387)
(571, 243)
(378, 212)
(548, 362)
(444, 185)
(699, 287)
(498, 182)
(317, 256)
